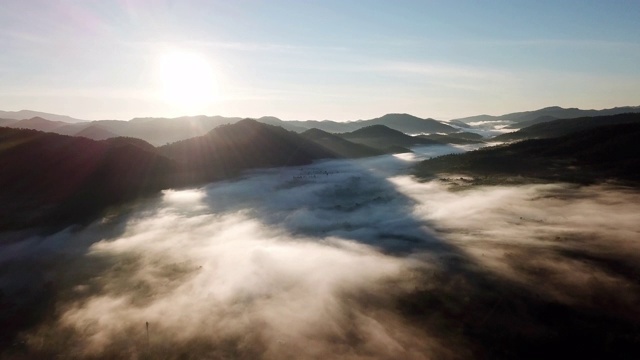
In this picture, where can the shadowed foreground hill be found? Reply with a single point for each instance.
(609, 152)
(566, 126)
(384, 138)
(339, 146)
(51, 179)
(227, 150)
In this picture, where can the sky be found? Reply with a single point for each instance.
(304, 60)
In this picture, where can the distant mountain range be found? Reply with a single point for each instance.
(384, 138)
(161, 131)
(229, 149)
(52, 179)
(340, 146)
(28, 114)
(588, 156)
(405, 123)
(560, 127)
(552, 112)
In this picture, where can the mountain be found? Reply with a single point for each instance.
(566, 126)
(450, 139)
(229, 149)
(402, 122)
(466, 135)
(96, 132)
(38, 123)
(589, 156)
(7, 122)
(459, 124)
(157, 131)
(552, 111)
(410, 124)
(287, 125)
(527, 123)
(382, 137)
(339, 146)
(476, 118)
(28, 114)
(50, 179)
(162, 131)
(329, 126)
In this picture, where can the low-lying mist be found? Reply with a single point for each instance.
(341, 259)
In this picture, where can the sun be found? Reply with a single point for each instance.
(188, 81)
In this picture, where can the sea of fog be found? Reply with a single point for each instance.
(349, 259)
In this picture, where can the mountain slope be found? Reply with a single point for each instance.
(553, 111)
(38, 123)
(339, 146)
(382, 137)
(527, 123)
(96, 132)
(566, 126)
(401, 122)
(449, 139)
(50, 179)
(28, 114)
(157, 131)
(227, 150)
(410, 124)
(287, 125)
(596, 154)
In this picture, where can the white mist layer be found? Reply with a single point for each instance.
(309, 262)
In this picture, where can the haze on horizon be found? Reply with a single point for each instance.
(316, 60)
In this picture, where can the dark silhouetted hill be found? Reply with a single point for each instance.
(49, 179)
(597, 154)
(227, 150)
(339, 146)
(382, 137)
(566, 126)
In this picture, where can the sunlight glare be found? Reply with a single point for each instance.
(188, 81)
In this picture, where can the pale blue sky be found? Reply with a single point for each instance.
(341, 60)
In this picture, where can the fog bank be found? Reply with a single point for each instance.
(340, 259)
